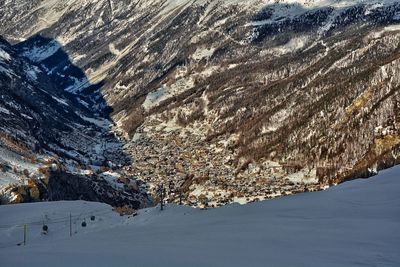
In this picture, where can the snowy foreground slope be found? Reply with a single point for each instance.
(354, 224)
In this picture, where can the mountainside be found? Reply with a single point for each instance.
(228, 100)
(51, 145)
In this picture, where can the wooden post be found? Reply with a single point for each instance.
(24, 234)
(162, 197)
(70, 225)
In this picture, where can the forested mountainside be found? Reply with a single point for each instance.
(228, 100)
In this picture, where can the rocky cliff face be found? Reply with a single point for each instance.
(232, 100)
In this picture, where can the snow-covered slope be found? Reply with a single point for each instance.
(354, 224)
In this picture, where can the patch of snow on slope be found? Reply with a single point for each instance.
(5, 111)
(154, 98)
(268, 128)
(171, 5)
(32, 72)
(396, 16)
(26, 116)
(78, 86)
(59, 100)
(304, 176)
(207, 72)
(293, 45)
(372, 7)
(4, 55)
(100, 122)
(113, 50)
(391, 28)
(83, 102)
(112, 179)
(201, 53)
(8, 72)
(14, 161)
(37, 54)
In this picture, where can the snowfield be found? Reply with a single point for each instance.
(353, 224)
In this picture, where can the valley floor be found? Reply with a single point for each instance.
(353, 224)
